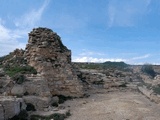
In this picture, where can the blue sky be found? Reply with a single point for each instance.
(95, 30)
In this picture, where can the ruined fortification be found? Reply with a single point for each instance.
(47, 54)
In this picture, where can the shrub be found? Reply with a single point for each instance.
(156, 89)
(105, 65)
(101, 82)
(13, 70)
(148, 69)
(19, 78)
(63, 98)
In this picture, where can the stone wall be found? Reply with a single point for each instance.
(46, 53)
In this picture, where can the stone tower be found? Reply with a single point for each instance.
(52, 60)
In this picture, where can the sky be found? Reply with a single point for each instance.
(94, 30)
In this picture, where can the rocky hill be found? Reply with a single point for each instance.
(36, 81)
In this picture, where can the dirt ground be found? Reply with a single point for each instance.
(116, 105)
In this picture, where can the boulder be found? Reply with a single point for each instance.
(18, 90)
(39, 103)
(10, 106)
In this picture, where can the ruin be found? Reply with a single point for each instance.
(47, 54)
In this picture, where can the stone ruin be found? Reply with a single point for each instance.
(52, 60)
(55, 76)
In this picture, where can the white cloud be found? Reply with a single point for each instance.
(8, 40)
(92, 56)
(98, 60)
(141, 57)
(90, 53)
(4, 33)
(125, 13)
(30, 19)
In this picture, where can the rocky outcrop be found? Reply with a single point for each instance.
(39, 103)
(149, 94)
(46, 53)
(14, 58)
(10, 106)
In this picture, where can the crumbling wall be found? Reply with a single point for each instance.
(46, 53)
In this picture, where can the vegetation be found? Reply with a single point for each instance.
(13, 70)
(56, 116)
(63, 98)
(98, 82)
(148, 69)
(156, 89)
(19, 78)
(105, 65)
(13, 65)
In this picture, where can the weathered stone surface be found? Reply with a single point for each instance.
(38, 86)
(2, 112)
(40, 103)
(62, 114)
(145, 91)
(54, 100)
(18, 90)
(15, 57)
(46, 53)
(150, 94)
(10, 106)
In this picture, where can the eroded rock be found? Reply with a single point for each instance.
(10, 106)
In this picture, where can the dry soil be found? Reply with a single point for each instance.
(116, 105)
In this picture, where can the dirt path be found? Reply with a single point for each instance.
(114, 106)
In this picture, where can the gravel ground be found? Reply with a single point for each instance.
(114, 106)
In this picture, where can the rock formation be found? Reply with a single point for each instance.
(10, 106)
(52, 60)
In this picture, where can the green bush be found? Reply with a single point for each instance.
(19, 78)
(156, 89)
(105, 65)
(148, 69)
(13, 70)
